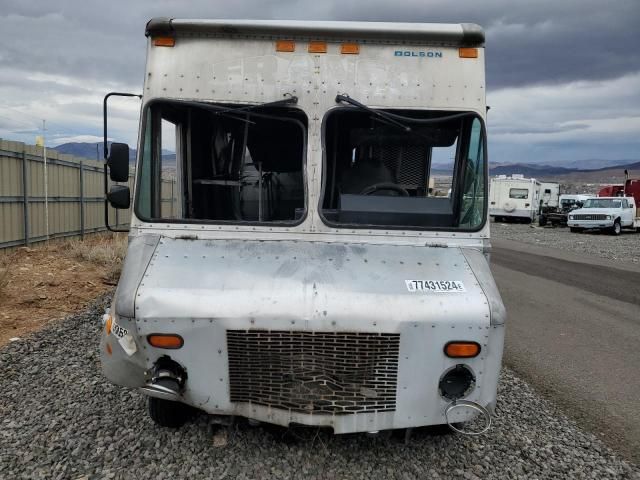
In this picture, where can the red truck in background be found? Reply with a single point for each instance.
(611, 191)
(630, 188)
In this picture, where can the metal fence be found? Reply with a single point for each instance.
(75, 195)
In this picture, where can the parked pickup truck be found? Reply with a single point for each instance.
(610, 213)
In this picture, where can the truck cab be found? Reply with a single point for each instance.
(559, 215)
(289, 263)
(604, 213)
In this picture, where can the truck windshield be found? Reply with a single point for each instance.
(222, 163)
(568, 203)
(431, 175)
(601, 203)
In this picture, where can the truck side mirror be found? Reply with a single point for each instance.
(119, 197)
(118, 162)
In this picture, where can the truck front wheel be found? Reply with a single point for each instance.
(167, 413)
(617, 227)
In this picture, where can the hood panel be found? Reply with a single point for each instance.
(595, 211)
(293, 282)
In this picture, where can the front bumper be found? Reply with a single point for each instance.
(421, 363)
(587, 224)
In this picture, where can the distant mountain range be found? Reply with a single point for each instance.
(548, 170)
(545, 171)
(94, 151)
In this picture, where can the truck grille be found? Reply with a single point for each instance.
(314, 372)
(595, 216)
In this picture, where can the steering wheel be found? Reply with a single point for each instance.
(392, 187)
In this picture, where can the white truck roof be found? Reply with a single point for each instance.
(516, 177)
(452, 34)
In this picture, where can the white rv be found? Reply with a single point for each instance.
(514, 198)
(291, 264)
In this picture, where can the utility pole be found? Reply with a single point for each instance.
(46, 186)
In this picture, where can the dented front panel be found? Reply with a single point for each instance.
(202, 290)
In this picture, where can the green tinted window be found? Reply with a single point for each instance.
(473, 204)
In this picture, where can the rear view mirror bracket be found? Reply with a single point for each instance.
(115, 167)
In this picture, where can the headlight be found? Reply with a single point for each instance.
(570, 217)
(608, 217)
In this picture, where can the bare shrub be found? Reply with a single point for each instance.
(106, 251)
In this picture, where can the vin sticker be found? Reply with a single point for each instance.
(435, 286)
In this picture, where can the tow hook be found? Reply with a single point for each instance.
(467, 404)
(167, 379)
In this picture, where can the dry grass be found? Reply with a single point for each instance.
(106, 251)
(49, 281)
(4, 274)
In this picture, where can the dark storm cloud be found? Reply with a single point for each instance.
(530, 42)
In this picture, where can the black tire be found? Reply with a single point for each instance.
(542, 221)
(169, 414)
(617, 228)
(575, 229)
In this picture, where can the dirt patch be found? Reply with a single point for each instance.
(45, 283)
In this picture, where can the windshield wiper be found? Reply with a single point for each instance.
(383, 117)
(229, 112)
(290, 100)
(395, 119)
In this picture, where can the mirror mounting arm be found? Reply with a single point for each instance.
(106, 155)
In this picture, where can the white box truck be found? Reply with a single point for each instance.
(290, 263)
(514, 198)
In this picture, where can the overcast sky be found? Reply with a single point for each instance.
(563, 75)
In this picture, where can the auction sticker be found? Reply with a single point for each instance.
(435, 286)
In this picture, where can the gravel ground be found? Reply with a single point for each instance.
(61, 419)
(624, 248)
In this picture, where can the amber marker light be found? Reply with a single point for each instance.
(164, 41)
(107, 325)
(317, 47)
(285, 46)
(165, 340)
(462, 349)
(468, 52)
(350, 48)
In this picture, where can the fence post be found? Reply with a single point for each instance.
(25, 197)
(81, 200)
